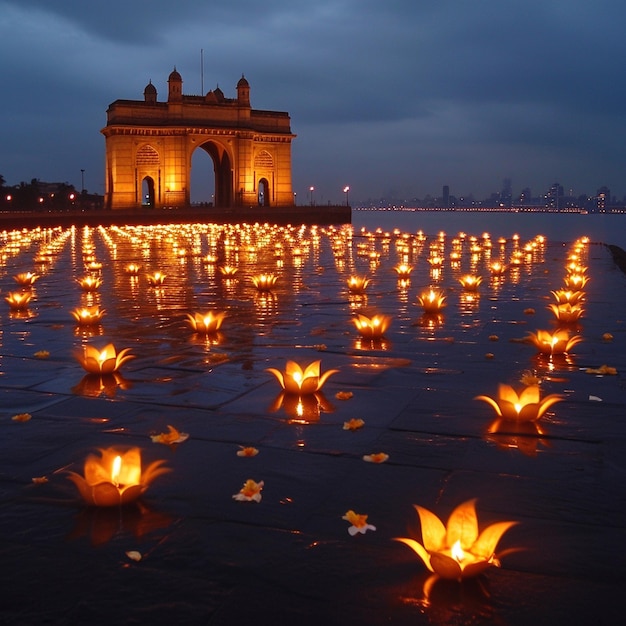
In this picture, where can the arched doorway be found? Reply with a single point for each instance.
(222, 174)
(264, 192)
(147, 192)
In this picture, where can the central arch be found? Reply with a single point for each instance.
(223, 171)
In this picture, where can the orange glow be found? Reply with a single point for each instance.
(105, 361)
(155, 279)
(18, 300)
(264, 282)
(115, 478)
(300, 381)
(566, 313)
(371, 327)
(206, 323)
(558, 342)
(357, 284)
(26, 279)
(470, 282)
(88, 315)
(458, 550)
(525, 406)
(432, 301)
(89, 283)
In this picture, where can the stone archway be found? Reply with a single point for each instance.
(264, 192)
(222, 170)
(148, 138)
(147, 192)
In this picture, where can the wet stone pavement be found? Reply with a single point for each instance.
(206, 558)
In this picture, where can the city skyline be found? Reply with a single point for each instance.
(392, 100)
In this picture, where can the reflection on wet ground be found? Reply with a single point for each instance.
(249, 523)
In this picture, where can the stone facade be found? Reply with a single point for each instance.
(149, 145)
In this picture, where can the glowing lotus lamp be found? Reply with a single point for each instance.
(26, 279)
(264, 282)
(89, 283)
(295, 380)
(525, 407)
(558, 342)
(132, 269)
(156, 279)
(357, 284)
(115, 478)
(403, 270)
(436, 261)
(470, 282)
(18, 300)
(567, 313)
(105, 361)
(88, 315)
(497, 268)
(228, 270)
(371, 327)
(93, 266)
(432, 301)
(206, 323)
(458, 550)
(576, 281)
(567, 296)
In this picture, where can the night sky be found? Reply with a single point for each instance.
(391, 97)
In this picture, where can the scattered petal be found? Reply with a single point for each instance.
(250, 492)
(173, 436)
(247, 451)
(359, 523)
(134, 555)
(377, 457)
(21, 417)
(40, 480)
(603, 370)
(595, 399)
(607, 337)
(42, 354)
(493, 338)
(490, 355)
(353, 424)
(529, 311)
(343, 395)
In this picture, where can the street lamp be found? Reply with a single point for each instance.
(311, 190)
(346, 190)
(295, 193)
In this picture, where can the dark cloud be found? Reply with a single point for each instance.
(397, 94)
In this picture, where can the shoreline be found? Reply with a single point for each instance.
(323, 215)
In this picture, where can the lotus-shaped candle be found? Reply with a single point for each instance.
(403, 270)
(105, 361)
(567, 296)
(435, 261)
(432, 301)
(156, 279)
(88, 315)
(115, 478)
(18, 300)
(89, 282)
(457, 551)
(527, 406)
(567, 313)
(470, 282)
(93, 266)
(295, 380)
(576, 281)
(497, 268)
(357, 284)
(132, 269)
(558, 342)
(228, 270)
(206, 323)
(373, 327)
(26, 279)
(264, 282)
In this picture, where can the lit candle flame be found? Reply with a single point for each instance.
(115, 470)
(457, 552)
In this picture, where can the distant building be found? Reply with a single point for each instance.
(603, 199)
(149, 147)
